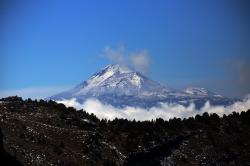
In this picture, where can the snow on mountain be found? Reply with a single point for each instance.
(200, 92)
(121, 86)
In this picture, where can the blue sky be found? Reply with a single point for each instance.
(48, 46)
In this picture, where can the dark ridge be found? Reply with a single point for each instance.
(47, 133)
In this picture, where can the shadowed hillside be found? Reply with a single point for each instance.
(6, 158)
(47, 133)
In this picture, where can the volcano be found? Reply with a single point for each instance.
(120, 86)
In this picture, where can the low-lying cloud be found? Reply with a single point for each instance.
(139, 60)
(165, 110)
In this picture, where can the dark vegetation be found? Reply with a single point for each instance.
(47, 133)
(5, 158)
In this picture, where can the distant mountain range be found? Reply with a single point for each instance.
(121, 86)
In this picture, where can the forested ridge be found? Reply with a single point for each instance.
(47, 133)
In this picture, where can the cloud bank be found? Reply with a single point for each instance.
(139, 60)
(165, 111)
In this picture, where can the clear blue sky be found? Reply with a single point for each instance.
(54, 43)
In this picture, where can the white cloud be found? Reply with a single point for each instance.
(221, 110)
(139, 60)
(165, 110)
(33, 92)
(115, 55)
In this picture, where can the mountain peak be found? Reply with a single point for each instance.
(118, 68)
(120, 86)
(113, 79)
(113, 70)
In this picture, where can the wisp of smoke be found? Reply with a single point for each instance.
(165, 111)
(139, 60)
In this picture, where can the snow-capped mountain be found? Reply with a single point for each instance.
(121, 86)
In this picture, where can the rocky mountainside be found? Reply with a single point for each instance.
(47, 133)
(121, 86)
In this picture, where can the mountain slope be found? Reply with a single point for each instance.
(120, 86)
(47, 133)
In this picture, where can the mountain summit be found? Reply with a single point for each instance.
(121, 86)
